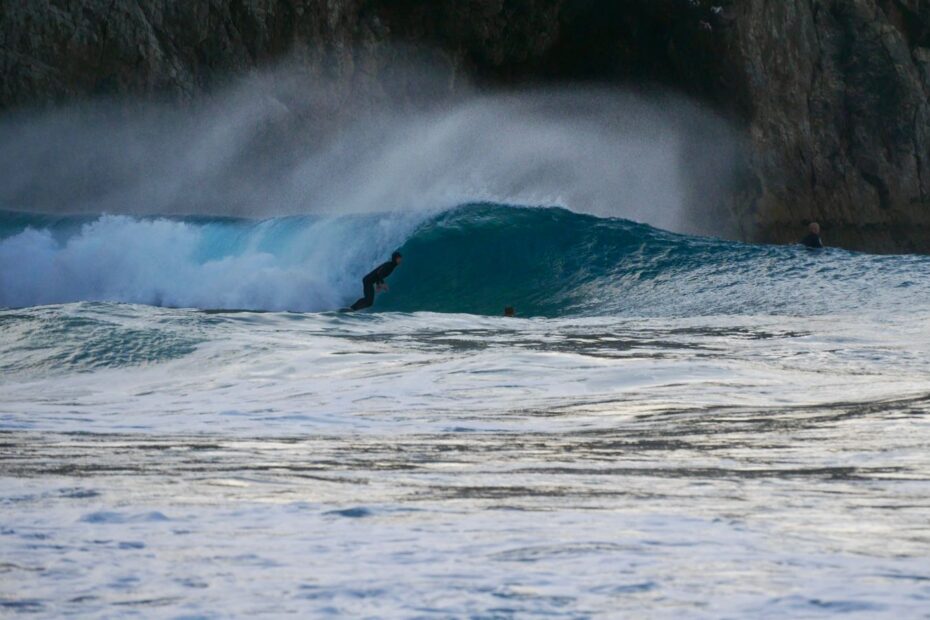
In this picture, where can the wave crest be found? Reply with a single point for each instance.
(475, 259)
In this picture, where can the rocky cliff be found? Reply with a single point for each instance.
(838, 112)
(831, 94)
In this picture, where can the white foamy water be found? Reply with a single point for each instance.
(177, 463)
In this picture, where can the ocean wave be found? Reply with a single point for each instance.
(473, 259)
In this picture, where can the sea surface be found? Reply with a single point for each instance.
(671, 427)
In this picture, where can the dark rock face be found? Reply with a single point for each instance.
(832, 94)
(839, 119)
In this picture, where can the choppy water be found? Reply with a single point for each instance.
(687, 428)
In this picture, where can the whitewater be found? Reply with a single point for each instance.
(672, 426)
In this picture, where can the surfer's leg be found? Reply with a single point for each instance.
(368, 299)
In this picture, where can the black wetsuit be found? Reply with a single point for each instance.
(374, 278)
(812, 240)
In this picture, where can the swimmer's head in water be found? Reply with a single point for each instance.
(397, 257)
(509, 311)
(814, 228)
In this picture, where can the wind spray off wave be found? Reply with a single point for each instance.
(274, 146)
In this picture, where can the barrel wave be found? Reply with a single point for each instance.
(472, 259)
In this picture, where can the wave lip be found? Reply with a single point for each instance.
(477, 259)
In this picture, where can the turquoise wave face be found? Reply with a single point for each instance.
(474, 259)
(553, 262)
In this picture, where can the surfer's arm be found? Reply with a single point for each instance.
(380, 275)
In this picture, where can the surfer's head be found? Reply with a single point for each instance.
(397, 258)
(814, 228)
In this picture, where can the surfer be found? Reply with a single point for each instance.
(375, 281)
(813, 240)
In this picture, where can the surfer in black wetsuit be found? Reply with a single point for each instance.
(813, 240)
(375, 281)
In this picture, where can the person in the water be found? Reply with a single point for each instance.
(375, 281)
(813, 240)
